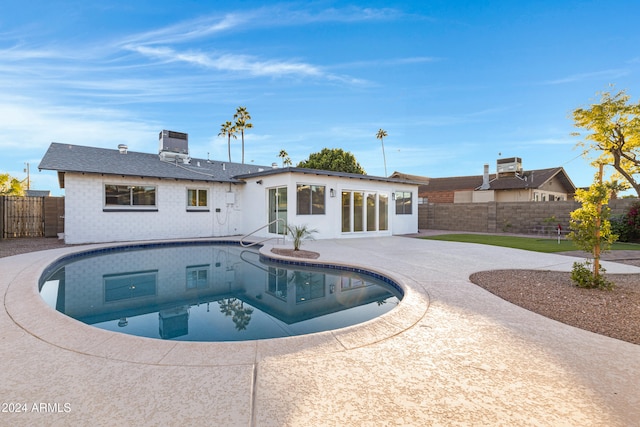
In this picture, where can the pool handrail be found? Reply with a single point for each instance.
(284, 233)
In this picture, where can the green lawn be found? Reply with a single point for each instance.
(526, 243)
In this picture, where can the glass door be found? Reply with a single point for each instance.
(371, 211)
(383, 212)
(278, 209)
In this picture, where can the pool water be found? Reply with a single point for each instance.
(211, 292)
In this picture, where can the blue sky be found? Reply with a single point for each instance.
(456, 84)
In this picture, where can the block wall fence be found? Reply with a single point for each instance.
(504, 217)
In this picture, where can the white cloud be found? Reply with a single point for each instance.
(246, 64)
(252, 19)
(189, 30)
(608, 74)
(32, 125)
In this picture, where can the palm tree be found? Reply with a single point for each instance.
(242, 118)
(381, 135)
(286, 160)
(229, 130)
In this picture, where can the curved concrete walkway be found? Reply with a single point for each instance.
(449, 354)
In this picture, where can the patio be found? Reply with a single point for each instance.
(450, 354)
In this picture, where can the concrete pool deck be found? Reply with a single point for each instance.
(450, 354)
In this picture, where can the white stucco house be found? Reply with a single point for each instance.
(118, 195)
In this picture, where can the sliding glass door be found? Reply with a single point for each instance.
(277, 209)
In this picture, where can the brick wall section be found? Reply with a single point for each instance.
(87, 222)
(438, 196)
(511, 217)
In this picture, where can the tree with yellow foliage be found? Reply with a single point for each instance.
(10, 186)
(614, 126)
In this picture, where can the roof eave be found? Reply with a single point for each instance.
(321, 172)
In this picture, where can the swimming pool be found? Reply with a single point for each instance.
(205, 291)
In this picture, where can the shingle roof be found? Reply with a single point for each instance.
(416, 178)
(532, 179)
(78, 158)
(37, 193)
(272, 171)
(528, 179)
(453, 183)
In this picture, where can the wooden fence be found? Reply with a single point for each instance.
(31, 216)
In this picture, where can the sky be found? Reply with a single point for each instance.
(456, 84)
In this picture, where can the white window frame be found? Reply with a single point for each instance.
(402, 195)
(324, 201)
(131, 206)
(204, 208)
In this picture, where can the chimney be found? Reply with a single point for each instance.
(485, 178)
(123, 148)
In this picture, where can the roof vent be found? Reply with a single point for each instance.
(123, 148)
(274, 165)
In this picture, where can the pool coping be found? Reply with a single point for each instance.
(30, 312)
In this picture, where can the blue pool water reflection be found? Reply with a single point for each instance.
(212, 292)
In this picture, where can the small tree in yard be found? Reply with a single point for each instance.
(300, 233)
(591, 232)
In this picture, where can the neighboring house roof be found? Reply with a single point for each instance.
(272, 171)
(77, 158)
(415, 178)
(532, 179)
(525, 180)
(453, 183)
(37, 193)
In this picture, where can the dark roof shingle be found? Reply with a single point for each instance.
(78, 158)
(528, 179)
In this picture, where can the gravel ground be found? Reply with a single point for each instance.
(552, 294)
(615, 313)
(10, 247)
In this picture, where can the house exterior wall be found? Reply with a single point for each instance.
(234, 209)
(480, 196)
(543, 194)
(550, 190)
(86, 220)
(462, 196)
(521, 195)
(329, 224)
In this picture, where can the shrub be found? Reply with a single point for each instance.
(583, 277)
(619, 226)
(633, 222)
(627, 226)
